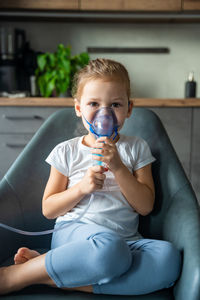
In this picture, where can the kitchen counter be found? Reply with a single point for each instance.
(65, 102)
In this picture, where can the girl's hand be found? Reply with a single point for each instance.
(93, 179)
(109, 154)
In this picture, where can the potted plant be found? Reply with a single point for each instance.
(55, 71)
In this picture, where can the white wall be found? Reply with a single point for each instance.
(152, 75)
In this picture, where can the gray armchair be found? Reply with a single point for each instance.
(175, 217)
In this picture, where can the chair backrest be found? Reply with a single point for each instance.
(27, 177)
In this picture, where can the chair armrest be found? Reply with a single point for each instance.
(182, 228)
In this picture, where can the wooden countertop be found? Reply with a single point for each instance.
(67, 102)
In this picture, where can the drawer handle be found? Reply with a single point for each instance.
(10, 145)
(18, 118)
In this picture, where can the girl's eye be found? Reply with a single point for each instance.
(116, 104)
(93, 104)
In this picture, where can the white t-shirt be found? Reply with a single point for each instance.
(109, 207)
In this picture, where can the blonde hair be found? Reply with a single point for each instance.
(100, 68)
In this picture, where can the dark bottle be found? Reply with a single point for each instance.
(190, 86)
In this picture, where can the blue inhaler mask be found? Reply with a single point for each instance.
(103, 123)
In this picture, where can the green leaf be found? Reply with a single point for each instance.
(41, 85)
(52, 59)
(66, 66)
(37, 71)
(47, 76)
(61, 47)
(68, 51)
(62, 85)
(41, 60)
(84, 58)
(61, 74)
(50, 87)
(61, 51)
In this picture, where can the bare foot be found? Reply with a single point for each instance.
(24, 254)
(19, 276)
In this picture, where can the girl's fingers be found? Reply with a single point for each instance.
(99, 183)
(97, 157)
(102, 149)
(101, 145)
(100, 142)
(99, 187)
(97, 151)
(98, 168)
(100, 176)
(104, 139)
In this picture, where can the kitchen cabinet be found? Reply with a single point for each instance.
(191, 5)
(40, 4)
(11, 146)
(95, 5)
(102, 10)
(17, 126)
(131, 5)
(103, 5)
(178, 124)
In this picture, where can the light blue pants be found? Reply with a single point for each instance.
(86, 254)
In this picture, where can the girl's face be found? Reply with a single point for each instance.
(100, 93)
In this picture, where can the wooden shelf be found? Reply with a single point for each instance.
(149, 102)
(127, 5)
(68, 102)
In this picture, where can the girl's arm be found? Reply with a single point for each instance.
(58, 199)
(138, 188)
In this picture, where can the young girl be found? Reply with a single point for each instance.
(103, 252)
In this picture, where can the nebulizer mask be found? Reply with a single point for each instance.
(103, 123)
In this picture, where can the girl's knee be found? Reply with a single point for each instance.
(113, 257)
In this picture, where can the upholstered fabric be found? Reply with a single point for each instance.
(175, 218)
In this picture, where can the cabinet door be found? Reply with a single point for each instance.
(10, 147)
(23, 119)
(131, 5)
(195, 169)
(191, 4)
(177, 122)
(40, 4)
